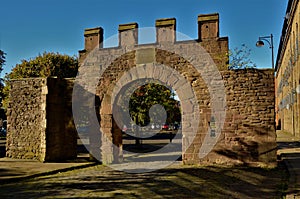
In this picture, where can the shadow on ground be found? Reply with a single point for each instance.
(173, 182)
(2, 147)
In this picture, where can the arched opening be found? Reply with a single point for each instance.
(149, 116)
(192, 92)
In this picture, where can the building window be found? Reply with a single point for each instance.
(295, 52)
(297, 40)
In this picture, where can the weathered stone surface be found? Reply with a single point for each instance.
(40, 120)
(146, 55)
(249, 121)
(26, 129)
(248, 136)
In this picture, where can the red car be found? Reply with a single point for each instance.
(165, 127)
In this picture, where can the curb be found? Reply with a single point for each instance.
(291, 190)
(292, 185)
(27, 177)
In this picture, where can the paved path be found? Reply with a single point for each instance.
(65, 180)
(176, 181)
(13, 170)
(289, 152)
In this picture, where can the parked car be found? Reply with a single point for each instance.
(165, 127)
(124, 129)
(176, 126)
(2, 132)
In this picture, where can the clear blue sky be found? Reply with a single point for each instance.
(30, 27)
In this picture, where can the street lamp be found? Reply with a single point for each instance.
(269, 40)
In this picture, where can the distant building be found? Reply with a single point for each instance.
(288, 72)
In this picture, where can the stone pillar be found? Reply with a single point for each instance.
(128, 34)
(26, 119)
(107, 140)
(40, 124)
(106, 125)
(93, 38)
(166, 30)
(208, 26)
(117, 141)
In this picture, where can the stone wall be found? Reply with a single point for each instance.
(40, 120)
(26, 118)
(248, 135)
(61, 135)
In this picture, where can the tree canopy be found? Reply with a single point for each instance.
(46, 65)
(2, 63)
(149, 95)
(2, 60)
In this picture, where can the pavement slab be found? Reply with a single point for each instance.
(15, 172)
(289, 152)
(17, 169)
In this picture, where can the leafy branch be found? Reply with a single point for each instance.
(239, 58)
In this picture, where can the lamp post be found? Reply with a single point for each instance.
(269, 40)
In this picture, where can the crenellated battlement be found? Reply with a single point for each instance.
(208, 26)
(208, 37)
(128, 34)
(165, 30)
(93, 38)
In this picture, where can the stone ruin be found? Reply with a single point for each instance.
(40, 123)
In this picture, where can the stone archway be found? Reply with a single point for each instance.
(150, 73)
(104, 72)
(183, 82)
(241, 100)
(184, 66)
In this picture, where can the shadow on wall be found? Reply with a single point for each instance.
(251, 145)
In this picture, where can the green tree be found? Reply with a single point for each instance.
(2, 60)
(44, 65)
(239, 58)
(2, 63)
(149, 95)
